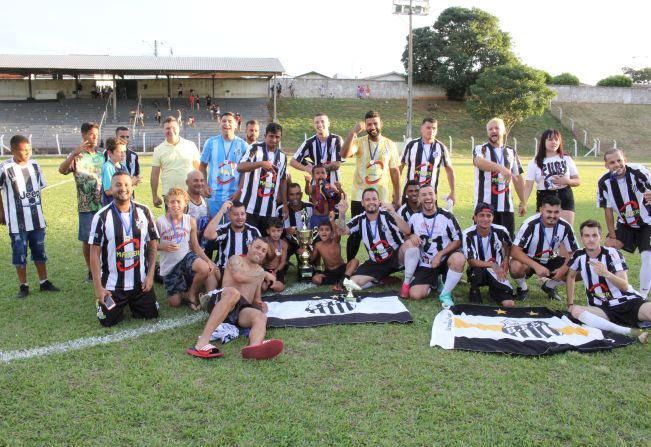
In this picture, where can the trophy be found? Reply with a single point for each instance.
(305, 237)
(350, 286)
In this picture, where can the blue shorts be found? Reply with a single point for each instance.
(180, 278)
(85, 221)
(19, 242)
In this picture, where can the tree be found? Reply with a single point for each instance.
(641, 76)
(461, 44)
(616, 81)
(512, 92)
(565, 79)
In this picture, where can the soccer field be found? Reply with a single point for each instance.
(335, 385)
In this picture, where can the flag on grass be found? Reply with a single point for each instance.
(521, 330)
(318, 309)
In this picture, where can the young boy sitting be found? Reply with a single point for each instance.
(21, 182)
(329, 249)
(276, 261)
(323, 194)
(116, 150)
(183, 264)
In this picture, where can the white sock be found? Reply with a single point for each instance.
(412, 258)
(43, 281)
(645, 273)
(552, 283)
(597, 322)
(451, 281)
(368, 285)
(521, 282)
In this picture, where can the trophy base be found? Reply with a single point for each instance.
(305, 274)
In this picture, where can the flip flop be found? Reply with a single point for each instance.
(265, 350)
(205, 352)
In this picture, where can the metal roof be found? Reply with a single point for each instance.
(102, 64)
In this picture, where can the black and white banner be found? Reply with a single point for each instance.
(318, 309)
(522, 330)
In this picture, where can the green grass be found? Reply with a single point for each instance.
(339, 385)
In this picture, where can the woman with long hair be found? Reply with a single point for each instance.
(554, 173)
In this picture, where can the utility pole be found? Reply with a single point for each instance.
(410, 8)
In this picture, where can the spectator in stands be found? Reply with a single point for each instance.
(252, 132)
(116, 151)
(86, 164)
(192, 100)
(158, 117)
(208, 101)
(238, 119)
(21, 181)
(179, 118)
(180, 90)
(173, 159)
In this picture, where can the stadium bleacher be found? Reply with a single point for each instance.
(45, 120)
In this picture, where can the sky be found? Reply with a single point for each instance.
(357, 38)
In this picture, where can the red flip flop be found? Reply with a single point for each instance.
(205, 352)
(265, 350)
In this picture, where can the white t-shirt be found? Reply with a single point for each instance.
(552, 166)
(179, 235)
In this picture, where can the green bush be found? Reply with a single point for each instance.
(565, 79)
(616, 81)
(548, 77)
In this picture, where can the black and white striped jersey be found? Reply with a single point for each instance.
(329, 152)
(231, 243)
(21, 187)
(130, 160)
(599, 290)
(435, 231)
(123, 239)
(381, 236)
(490, 187)
(625, 196)
(424, 162)
(405, 212)
(489, 248)
(294, 217)
(541, 243)
(261, 187)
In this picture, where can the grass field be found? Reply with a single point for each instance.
(341, 385)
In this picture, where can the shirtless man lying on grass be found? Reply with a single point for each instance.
(239, 303)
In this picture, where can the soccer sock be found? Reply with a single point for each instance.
(552, 283)
(451, 280)
(368, 285)
(412, 258)
(645, 273)
(43, 281)
(521, 282)
(597, 322)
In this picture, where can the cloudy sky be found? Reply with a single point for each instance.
(353, 37)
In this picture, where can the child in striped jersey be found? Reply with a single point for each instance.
(21, 182)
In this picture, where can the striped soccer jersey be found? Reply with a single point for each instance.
(405, 212)
(123, 239)
(541, 243)
(435, 231)
(599, 290)
(489, 248)
(231, 243)
(424, 162)
(260, 187)
(21, 187)
(625, 196)
(317, 153)
(381, 236)
(130, 160)
(490, 187)
(294, 218)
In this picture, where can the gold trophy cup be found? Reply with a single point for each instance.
(305, 237)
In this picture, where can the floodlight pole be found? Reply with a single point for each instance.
(410, 76)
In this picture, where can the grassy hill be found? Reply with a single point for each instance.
(295, 115)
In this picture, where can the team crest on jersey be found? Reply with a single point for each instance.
(601, 291)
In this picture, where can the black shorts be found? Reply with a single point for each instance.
(379, 270)
(565, 195)
(280, 275)
(234, 314)
(428, 276)
(334, 276)
(142, 305)
(507, 220)
(552, 265)
(625, 314)
(479, 276)
(633, 238)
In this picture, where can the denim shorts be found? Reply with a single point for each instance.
(19, 242)
(180, 278)
(85, 221)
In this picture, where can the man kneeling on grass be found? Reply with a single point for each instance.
(611, 299)
(239, 303)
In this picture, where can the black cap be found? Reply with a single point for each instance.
(483, 206)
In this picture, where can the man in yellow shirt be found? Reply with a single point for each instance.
(376, 166)
(173, 159)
